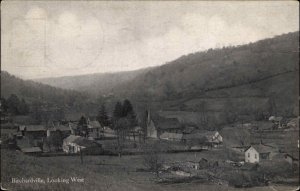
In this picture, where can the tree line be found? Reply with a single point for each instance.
(14, 105)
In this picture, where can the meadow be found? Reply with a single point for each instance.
(102, 173)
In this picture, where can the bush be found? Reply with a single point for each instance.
(246, 179)
(272, 169)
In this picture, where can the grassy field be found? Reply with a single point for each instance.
(100, 173)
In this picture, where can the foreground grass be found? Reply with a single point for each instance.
(99, 173)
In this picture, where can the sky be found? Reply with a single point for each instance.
(51, 38)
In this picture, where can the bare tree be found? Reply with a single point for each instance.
(153, 159)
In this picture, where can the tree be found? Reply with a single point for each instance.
(118, 111)
(121, 125)
(4, 105)
(102, 116)
(272, 105)
(13, 104)
(126, 108)
(23, 108)
(82, 127)
(36, 111)
(230, 113)
(203, 113)
(152, 158)
(169, 89)
(132, 119)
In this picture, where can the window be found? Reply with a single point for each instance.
(248, 155)
(255, 156)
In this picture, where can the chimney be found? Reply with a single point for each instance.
(72, 130)
(48, 133)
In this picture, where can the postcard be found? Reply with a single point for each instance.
(149, 95)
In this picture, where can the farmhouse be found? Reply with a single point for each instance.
(94, 129)
(257, 153)
(158, 125)
(34, 131)
(75, 144)
(170, 125)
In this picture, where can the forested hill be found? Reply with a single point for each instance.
(196, 73)
(261, 74)
(94, 84)
(192, 75)
(32, 91)
(248, 79)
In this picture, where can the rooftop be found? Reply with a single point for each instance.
(94, 124)
(31, 150)
(261, 148)
(35, 128)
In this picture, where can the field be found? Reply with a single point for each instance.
(101, 173)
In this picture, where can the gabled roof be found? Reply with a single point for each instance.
(86, 143)
(9, 125)
(73, 125)
(167, 135)
(71, 138)
(167, 123)
(260, 148)
(189, 129)
(200, 134)
(94, 124)
(61, 128)
(31, 150)
(81, 141)
(35, 128)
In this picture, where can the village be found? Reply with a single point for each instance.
(149, 95)
(253, 153)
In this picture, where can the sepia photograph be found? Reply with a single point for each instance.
(149, 95)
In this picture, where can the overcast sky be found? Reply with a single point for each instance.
(50, 39)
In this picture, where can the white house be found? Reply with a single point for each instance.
(75, 144)
(257, 153)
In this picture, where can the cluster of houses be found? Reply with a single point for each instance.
(34, 139)
(66, 136)
(171, 129)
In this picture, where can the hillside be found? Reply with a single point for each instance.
(32, 91)
(214, 86)
(248, 81)
(220, 68)
(94, 84)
